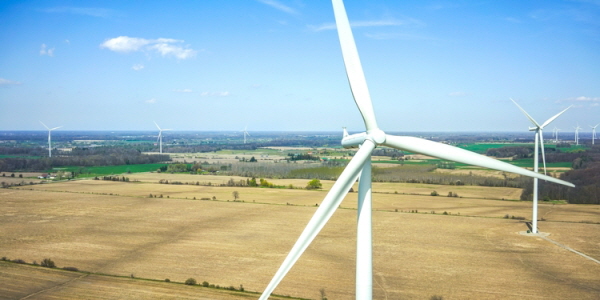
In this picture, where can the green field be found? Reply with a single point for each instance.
(108, 170)
(20, 156)
(482, 148)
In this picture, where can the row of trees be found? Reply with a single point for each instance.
(85, 157)
(585, 175)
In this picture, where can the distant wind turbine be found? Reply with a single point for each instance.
(245, 133)
(50, 138)
(577, 134)
(359, 167)
(593, 132)
(539, 137)
(159, 139)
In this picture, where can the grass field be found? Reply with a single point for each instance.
(477, 255)
(109, 170)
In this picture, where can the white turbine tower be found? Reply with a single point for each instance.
(556, 139)
(577, 134)
(593, 132)
(360, 166)
(539, 137)
(50, 138)
(245, 133)
(159, 139)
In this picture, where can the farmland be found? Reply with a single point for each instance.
(115, 228)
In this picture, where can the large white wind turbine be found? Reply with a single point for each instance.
(539, 137)
(245, 133)
(159, 139)
(593, 132)
(360, 167)
(50, 138)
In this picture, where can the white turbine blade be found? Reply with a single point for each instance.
(157, 125)
(324, 212)
(55, 128)
(526, 114)
(354, 71)
(45, 125)
(556, 116)
(542, 146)
(443, 151)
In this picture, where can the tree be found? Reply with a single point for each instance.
(314, 184)
(236, 195)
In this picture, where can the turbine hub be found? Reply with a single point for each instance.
(377, 136)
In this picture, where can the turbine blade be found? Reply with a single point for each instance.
(45, 125)
(556, 116)
(542, 146)
(55, 128)
(157, 125)
(324, 212)
(443, 151)
(526, 114)
(354, 71)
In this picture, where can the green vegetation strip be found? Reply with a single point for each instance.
(108, 170)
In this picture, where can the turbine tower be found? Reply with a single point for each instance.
(359, 167)
(159, 139)
(593, 132)
(50, 138)
(577, 134)
(539, 137)
(556, 130)
(245, 133)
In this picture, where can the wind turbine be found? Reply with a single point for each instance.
(245, 133)
(556, 139)
(360, 167)
(577, 134)
(159, 139)
(539, 137)
(593, 132)
(50, 138)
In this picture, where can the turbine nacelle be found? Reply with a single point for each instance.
(377, 136)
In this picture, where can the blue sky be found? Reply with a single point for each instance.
(277, 65)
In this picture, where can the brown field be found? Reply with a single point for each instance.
(477, 255)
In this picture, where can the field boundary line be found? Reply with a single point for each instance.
(569, 248)
(55, 287)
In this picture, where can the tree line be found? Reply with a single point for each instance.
(585, 175)
(85, 157)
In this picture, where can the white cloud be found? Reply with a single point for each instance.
(183, 91)
(124, 44)
(6, 82)
(279, 6)
(374, 23)
(137, 67)
(165, 47)
(583, 99)
(151, 101)
(44, 50)
(215, 94)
